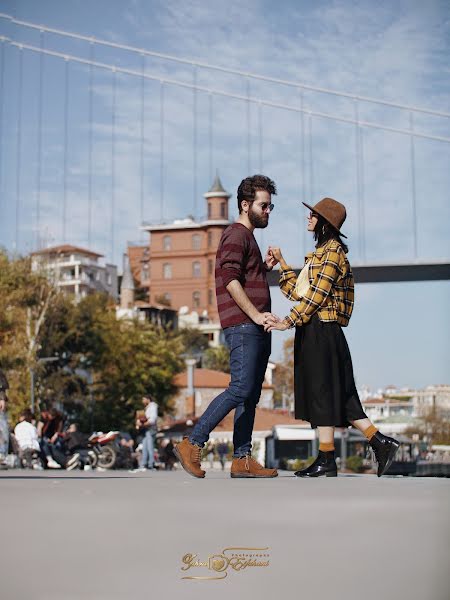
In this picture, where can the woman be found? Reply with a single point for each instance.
(325, 391)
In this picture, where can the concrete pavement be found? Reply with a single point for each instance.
(113, 535)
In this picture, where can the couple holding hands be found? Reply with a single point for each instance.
(323, 292)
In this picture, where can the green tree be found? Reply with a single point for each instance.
(110, 361)
(194, 341)
(217, 359)
(284, 376)
(26, 298)
(433, 425)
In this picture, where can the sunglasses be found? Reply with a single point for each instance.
(266, 207)
(312, 215)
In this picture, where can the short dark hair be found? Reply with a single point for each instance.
(250, 185)
(27, 415)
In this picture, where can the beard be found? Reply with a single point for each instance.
(258, 221)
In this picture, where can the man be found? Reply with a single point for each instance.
(27, 437)
(148, 425)
(4, 430)
(243, 301)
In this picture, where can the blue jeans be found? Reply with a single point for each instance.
(148, 448)
(249, 347)
(4, 434)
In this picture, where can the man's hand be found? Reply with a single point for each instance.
(3, 405)
(270, 261)
(264, 318)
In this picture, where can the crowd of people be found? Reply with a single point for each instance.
(53, 441)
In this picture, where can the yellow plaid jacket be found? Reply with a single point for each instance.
(331, 290)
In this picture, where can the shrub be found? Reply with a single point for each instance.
(355, 463)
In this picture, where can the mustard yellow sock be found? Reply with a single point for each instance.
(370, 432)
(326, 447)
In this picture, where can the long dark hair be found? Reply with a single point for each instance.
(323, 232)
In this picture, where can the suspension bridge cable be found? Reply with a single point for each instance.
(311, 164)
(90, 140)
(113, 160)
(19, 149)
(211, 134)
(248, 128)
(2, 94)
(39, 141)
(358, 176)
(204, 65)
(362, 191)
(161, 151)
(216, 92)
(194, 142)
(66, 144)
(302, 185)
(413, 183)
(142, 143)
(260, 138)
(260, 159)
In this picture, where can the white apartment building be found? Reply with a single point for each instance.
(433, 396)
(76, 271)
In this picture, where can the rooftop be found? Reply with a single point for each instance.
(66, 249)
(207, 378)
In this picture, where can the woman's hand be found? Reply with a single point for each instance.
(275, 251)
(272, 324)
(269, 260)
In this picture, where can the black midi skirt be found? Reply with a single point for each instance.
(325, 391)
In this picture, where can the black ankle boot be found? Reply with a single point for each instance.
(384, 448)
(323, 465)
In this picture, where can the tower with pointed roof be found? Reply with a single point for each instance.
(217, 201)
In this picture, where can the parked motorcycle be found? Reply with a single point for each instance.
(104, 449)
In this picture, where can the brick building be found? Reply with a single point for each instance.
(181, 257)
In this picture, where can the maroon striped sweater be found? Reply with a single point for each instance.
(239, 257)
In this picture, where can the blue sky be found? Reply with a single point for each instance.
(398, 52)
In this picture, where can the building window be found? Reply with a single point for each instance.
(145, 273)
(210, 297)
(209, 210)
(210, 266)
(168, 298)
(167, 271)
(167, 242)
(210, 237)
(196, 241)
(196, 299)
(222, 209)
(196, 269)
(108, 279)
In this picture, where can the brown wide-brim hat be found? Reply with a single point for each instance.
(332, 211)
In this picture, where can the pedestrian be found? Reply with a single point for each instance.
(325, 390)
(26, 435)
(243, 301)
(4, 429)
(49, 429)
(222, 451)
(210, 454)
(148, 426)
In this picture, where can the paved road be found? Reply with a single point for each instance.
(112, 535)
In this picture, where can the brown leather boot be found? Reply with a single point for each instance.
(247, 466)
(189, 456)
